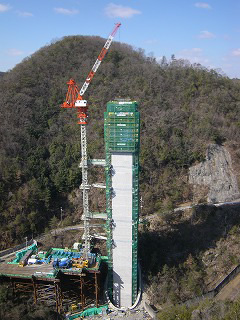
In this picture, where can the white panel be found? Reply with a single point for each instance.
(122, 233)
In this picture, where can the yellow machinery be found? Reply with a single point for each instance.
(80, 263)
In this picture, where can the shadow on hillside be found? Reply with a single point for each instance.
(200, 232)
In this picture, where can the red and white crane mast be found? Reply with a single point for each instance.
(74, 99)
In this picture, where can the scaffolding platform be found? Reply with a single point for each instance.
(59, 287)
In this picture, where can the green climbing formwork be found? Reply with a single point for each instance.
(121, 127)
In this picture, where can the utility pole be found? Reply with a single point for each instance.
(61, 215)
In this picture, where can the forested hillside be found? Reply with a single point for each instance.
(183, 108)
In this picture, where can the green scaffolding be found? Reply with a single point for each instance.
(88, 312)
(122, 134)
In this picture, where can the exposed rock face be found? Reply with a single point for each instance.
(214, 177)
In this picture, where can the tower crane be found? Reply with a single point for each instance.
(74, 99)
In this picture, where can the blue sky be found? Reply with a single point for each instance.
(203, 32)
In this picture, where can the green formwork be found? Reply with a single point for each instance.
(122, 106)
(122, 134)
(121, 127)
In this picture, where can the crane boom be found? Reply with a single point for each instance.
(98, 61)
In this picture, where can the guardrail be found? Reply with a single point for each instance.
(212, 293)
(150, 310)
(16, 248)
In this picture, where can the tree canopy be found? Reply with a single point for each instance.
(183, 108)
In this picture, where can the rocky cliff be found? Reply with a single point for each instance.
(214, 180)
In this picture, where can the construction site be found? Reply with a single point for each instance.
(58, 277)
(80, 279)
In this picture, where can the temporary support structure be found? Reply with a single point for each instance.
(121, 132)
(61, 291)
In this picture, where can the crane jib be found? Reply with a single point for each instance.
(96, 65)
(84, 88)
(108, 42)
(98, 62)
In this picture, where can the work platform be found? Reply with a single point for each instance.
(24, 272)
(57, 287)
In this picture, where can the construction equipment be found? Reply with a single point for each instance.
(80, 263)
(25, 258)
(82, 107)
(62, 263)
